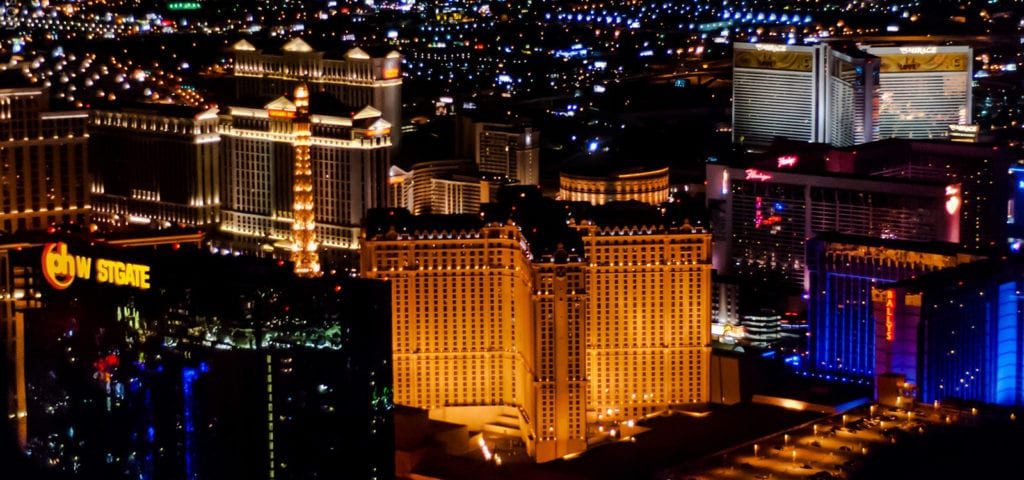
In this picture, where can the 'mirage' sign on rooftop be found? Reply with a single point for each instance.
(60, 269)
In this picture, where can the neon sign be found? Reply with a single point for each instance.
(61, 268)
(918, 50)
(755, 174)
(890, 315)
(280, 114)
(788, 161)
(758, 216)
(725, 181)
(952, 199)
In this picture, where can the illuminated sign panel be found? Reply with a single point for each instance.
(964, 133)
(774, 60)
(391, 69)
(890, 315)
(924, 62)
(61, 268)
(280, 114)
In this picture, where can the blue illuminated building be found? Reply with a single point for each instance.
(842, 271)
(969, 334)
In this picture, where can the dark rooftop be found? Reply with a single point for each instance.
(943, 248)
(13, 78)
(608, 163)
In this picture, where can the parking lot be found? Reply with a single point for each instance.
(829, 448)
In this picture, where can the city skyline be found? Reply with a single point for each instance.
(534, 239)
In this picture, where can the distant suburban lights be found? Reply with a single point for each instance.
(177, 6)
(952, 199)
(592, 146)
(787, 161)
(890, 315)
(755, 174)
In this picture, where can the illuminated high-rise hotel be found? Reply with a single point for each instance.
(349, 153)
(356, 77)
(778, 91)
(846, 94)
(924, 90)
(766, 215)
(843, 271)
(540, 331)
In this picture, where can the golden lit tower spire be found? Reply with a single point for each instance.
(304, 254)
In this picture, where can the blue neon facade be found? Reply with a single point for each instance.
(842, 270)
(972, 339)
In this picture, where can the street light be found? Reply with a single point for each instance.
(755, 450)
(785, 439)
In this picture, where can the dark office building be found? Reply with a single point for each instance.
(978, 169)
(154, 358)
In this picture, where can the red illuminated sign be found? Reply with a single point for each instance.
(788, 161)
(755, 174)
(890, 315)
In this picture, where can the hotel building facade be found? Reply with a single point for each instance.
(844, 271)
(544, 334)
(507, 151)
(156, 164)
(354, 77)
(846, 94)
(778, 91)
(923, 90)
(650, 186)
(764, 217)
(955, 333)
(44, 164)
(350, 155)
(442, 187)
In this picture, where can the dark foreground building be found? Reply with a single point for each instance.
(158, 359)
